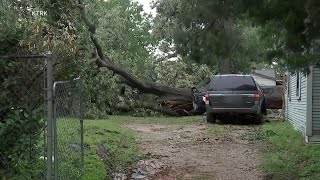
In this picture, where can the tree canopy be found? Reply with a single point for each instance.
(231, 36)
(111, 45)
(300, 21)
(212, 32)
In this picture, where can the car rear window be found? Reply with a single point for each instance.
(232, 83)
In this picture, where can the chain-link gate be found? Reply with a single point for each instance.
(68, 130)
(23, 116)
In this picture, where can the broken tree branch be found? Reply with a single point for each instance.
(131, 80)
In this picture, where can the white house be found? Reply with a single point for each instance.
(266, 77)
(303, 103)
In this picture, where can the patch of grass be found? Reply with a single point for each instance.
(257, 135)
(287, 156)
(68, 143)
(120, 145)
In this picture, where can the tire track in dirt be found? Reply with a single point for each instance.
(199, 151)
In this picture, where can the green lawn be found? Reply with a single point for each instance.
(69, 153)
(287, 156)
(119, 144)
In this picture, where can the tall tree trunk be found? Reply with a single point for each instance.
(224, 66)
(231, 40)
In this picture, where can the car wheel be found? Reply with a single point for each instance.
(211, 118)
(263, 108)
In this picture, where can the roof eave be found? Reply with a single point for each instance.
(271, 78)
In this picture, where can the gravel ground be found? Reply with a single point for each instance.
(198, 151)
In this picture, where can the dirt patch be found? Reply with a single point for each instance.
(198, 151)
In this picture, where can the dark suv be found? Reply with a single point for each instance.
(234, 94)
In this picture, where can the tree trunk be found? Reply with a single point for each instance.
(231, 40)
(224, 66)
(274, 96)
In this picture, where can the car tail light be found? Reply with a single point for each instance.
(206, 98)
(257, 97)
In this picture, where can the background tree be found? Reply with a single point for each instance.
(209, 32)
(124, 32)
(297, 22)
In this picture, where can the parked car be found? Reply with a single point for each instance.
(234, 94)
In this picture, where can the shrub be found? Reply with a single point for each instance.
(20, 146)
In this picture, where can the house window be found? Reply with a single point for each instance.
(298, 85)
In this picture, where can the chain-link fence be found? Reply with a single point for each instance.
(22, 117)
(41, 135)
(68, 130)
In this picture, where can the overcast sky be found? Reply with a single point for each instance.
(147, 9)
(146, 6)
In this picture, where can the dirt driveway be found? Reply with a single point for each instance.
(198, 151)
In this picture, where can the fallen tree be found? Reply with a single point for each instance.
(274, 96)
(170, 100)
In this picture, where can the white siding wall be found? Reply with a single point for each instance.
(297, 108)
(263, 81)
(316, 102)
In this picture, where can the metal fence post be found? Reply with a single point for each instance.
(81, 127)
(49, 89)
(55, 135)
